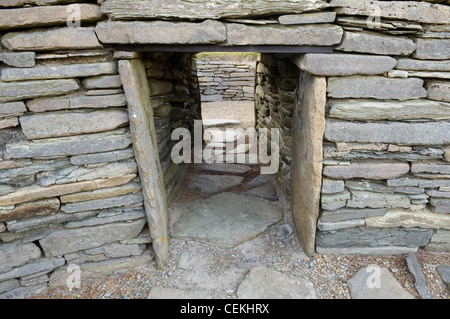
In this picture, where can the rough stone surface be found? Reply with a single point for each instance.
(33, 268)
(420, 281)
(374, 282)
(438, 91)
(106, 157)
(371, 110)
(58, 124)
(102, 82)
(362, 199)
(224, 168)
(48, 16)
(433, 133)
(260, 180)
(422, 65)
(215, 222)
(349, 213)
(444, 272)
(19, 59)
(103, 203)
(406, 218)
(31, 209)
(375, 87)
(12, 109)
(101, 193)
(67, 146)
(52, 39)
(268, 192)
(323, 35)
(263, 283)
(331, 186)
(367, 170)
(432, 49)
(32, 89)
(161, 32)
(344, 64)
(335, 201)
(375, 43)
(209, 184)
(76, 102)
(62, 242)
(307, 18)
(431, 167)
(14, 255)
(58, 72)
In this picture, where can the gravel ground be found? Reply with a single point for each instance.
(218, 271)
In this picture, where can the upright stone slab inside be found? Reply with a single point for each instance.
(226, 220)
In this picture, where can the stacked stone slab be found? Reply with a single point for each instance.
(226, 80)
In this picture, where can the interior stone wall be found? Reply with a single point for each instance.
(70, 192)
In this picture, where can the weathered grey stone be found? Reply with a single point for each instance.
(362, 199)
(15, 255)
(330, 186)
(8, 285)
(376, 87)
(430, 167)
(307, 18)
(102, 157)
(209, 184)
(367, 170)
(219, 220)
(161, 32)
(260, 180)
(335, 201)
(102, 203)
(344, 64)
(440, 205)
(371, 110)
(32, 89)
(76, 102)
(205, 9)
(438, 91)
(225, 168)
(267, 191)
(323, 35)
(103, 220)
(101, 193)
(160, 87)
(433, 75)
(440, 194)
(52, 39)
(375, 43)
(31, 209)
(348, 223)
(418, 182)
(444, 272)
(24, 292)
(67, 146)
(19, 59)
(432, 49)
(65, 241)
(103, 82)
(19, 3)
(48, 16)
(406, 218)
(8, 122)
(440, 242)
(374, 282)
(12, 109)
(405, 10)
(32, 268)
(433, 133)
(349, 213)
(58, 72)
(58, 124)
(420, 281)
(363, 250)
(422, 65)
(374, 237)
(381, 187)
(263, 283)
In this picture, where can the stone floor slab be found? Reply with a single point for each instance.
(209, 184)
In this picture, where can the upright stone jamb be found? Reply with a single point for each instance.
(142, 127)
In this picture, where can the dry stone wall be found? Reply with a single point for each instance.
(70, 192)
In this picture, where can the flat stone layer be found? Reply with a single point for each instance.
(344, 64)
(367, 170)
(161, 32)
(208, 184)
(32, 89)
(433, 49)
(19, 3)
(321, 35)
(56, 124)
(76, 101)
(48, 15)
(438, 91)
(205, 9)
(31, 209)
(58, 72)
(52, 39)
(432, 133)
(376, 87)
(226, 220)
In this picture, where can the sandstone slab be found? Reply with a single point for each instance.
(349, 214)
(102, 82)
(76, 102)
(263, 283)
(57, 124)
(209, 184)
(344, 64)
(367, 170)
(432, 49)
(374, 282)
(58, 72)
(12, 109)
(31, 209)
(438, 91)
(376, 87)
(406, 218)
(371, 110)
(68, 146)
(103, 203)
(101, 193)
(48, 16)
(431, 167)
(52, 39)
(375, 43)
(422, 65)
(433, 133)
(32, 89)
(19, 59)
(66, 241)
(226, 220)
(321, 35)
(161, 32)
(307, 18)
(364, 199)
